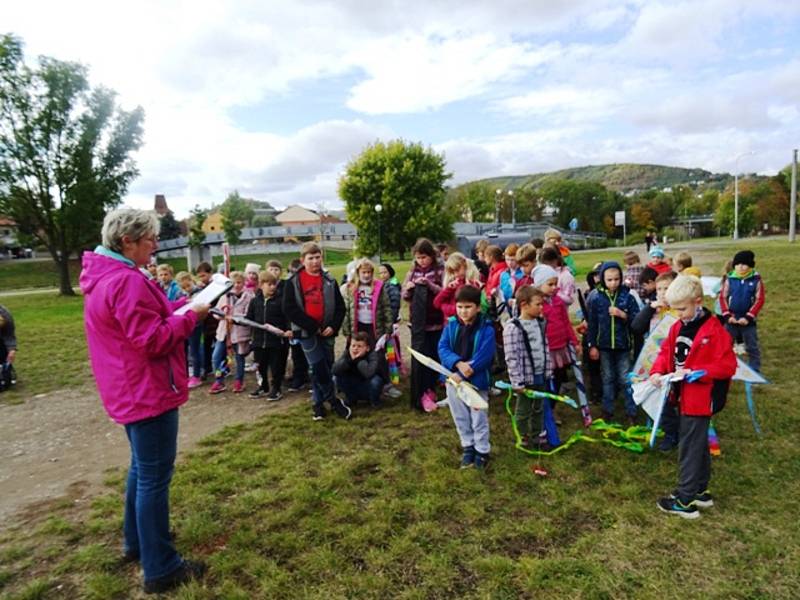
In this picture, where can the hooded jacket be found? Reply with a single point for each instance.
(606, 332)
(136, 343)
(482, 354)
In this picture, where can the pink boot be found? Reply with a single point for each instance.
(429, 401)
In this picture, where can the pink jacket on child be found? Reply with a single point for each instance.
(559, 330)
(136, 344)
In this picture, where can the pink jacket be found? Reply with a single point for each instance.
(135, 342)
(559, 329)
(239, 333)
(566, 285)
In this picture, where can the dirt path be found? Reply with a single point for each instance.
(54, 441)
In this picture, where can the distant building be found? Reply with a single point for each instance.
(8, 231)
(299, 215)
(161, 207)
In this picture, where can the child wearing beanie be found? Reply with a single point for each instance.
(741, 299)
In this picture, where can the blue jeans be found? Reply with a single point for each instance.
(154, 443)
(356, 388)
(196, 350)
(218, 360)
(615, 366)
(749, 335)
(319, 354)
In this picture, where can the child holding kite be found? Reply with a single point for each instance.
(270, 350)
(467, 348)
(696, 342)
(528, 363)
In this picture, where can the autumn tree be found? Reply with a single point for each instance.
(407, 180)
(64, 152)
(236, 214)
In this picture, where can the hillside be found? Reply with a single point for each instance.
(622, 177)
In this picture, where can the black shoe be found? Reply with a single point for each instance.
(274, 396)
(468, 459)
(702, 500)
(296, 387)
(257, 393)
(481, 461)
(188, 570)
(674, 506)
(319, 413)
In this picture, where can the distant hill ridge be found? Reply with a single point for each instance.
(620, 177)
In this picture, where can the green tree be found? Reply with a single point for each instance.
(586, 201)
(407, 180)
(170, 228)
(263, 221)
(64, 152)
(236, 213)
(472, 202)
(197, 217)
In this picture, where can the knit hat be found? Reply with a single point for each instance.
(543, 273)
(251, 268)
(744, 257)
(656, 252)
(389, 268)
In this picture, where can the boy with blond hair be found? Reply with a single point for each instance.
(696, 342)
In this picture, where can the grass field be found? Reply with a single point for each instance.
(376, 507)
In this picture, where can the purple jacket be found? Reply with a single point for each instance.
(135, 342)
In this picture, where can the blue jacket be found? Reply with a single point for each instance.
(482, 353)
(606, 332)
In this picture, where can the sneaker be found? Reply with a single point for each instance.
(394, 392)
(468, 458)
(257, 393)
(319, 413)
(704, 500)
(428, 401)
(295, 387)
(274, 396)
(188, 570)
(217, 387)
(194, 382)
(238, 388)
(675, 507)
(481, 461)
(317, 417)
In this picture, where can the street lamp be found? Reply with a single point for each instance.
(497, 208)
(378, 209)
(736, 196)
(513, 209)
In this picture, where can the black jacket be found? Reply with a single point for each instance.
(294, 306)
(267, 310)
(365, 367)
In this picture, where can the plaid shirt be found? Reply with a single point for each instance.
(520, 369)
(631, 279)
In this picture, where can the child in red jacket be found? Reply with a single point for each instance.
(697, 342)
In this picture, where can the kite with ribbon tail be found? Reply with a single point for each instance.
(467, 392)
(630, 439)
(744, 372)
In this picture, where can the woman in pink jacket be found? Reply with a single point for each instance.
(136, 348)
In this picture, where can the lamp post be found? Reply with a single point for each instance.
(736, 196)
(497, 209)
(378, 209)
(513, 209)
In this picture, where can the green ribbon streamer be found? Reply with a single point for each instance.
(632, 438)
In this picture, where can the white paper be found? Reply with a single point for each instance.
(709, 284)
(208, 295)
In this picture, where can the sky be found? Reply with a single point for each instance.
(273, 99)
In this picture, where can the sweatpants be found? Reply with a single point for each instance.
(694, 457)
(472, 425)
(271, 360)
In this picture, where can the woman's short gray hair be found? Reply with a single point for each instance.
(134, 223)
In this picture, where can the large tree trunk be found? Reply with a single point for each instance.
(63, 275)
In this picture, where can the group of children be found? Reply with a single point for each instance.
(507, 310)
